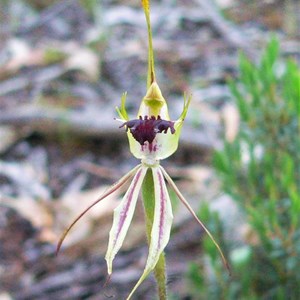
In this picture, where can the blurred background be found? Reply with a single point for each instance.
(63, 68)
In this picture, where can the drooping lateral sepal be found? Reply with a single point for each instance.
(190, 209)
(117, 185)
(123, 214)
(162, 222)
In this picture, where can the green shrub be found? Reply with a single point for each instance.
(260, 170)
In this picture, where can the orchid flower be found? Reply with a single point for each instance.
(152, 137)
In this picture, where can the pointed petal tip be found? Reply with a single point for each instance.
(161, 227)
(187, 101)
(109, 265)
(227, 265)
(59, 244)
(123, 214)
(107, 280)
(140, 281)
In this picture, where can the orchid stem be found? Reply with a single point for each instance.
(151, 69)
(160, 276)
(149, 204)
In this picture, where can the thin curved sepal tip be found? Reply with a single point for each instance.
(108, 192)
(187, 205)
(62, 238)
(107, 281)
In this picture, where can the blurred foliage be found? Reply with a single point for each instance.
(260, 170)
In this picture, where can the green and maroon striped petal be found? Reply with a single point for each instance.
(161, 227)
(123, 214)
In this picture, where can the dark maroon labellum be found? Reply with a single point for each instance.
(145, 130)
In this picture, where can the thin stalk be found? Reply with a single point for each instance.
(149, 204)
(151, 69)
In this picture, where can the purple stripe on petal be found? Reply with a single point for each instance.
(162, 222)
(124, 211)
(123, 214)
(163, 216)
(162, 208)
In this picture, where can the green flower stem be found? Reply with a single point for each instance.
(151, 69)
(149, 204)
(160, 276)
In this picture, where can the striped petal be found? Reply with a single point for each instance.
(187, 205)
(109, 191)
(160, 233)
(123, 214)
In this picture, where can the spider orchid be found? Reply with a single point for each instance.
(152, 137)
